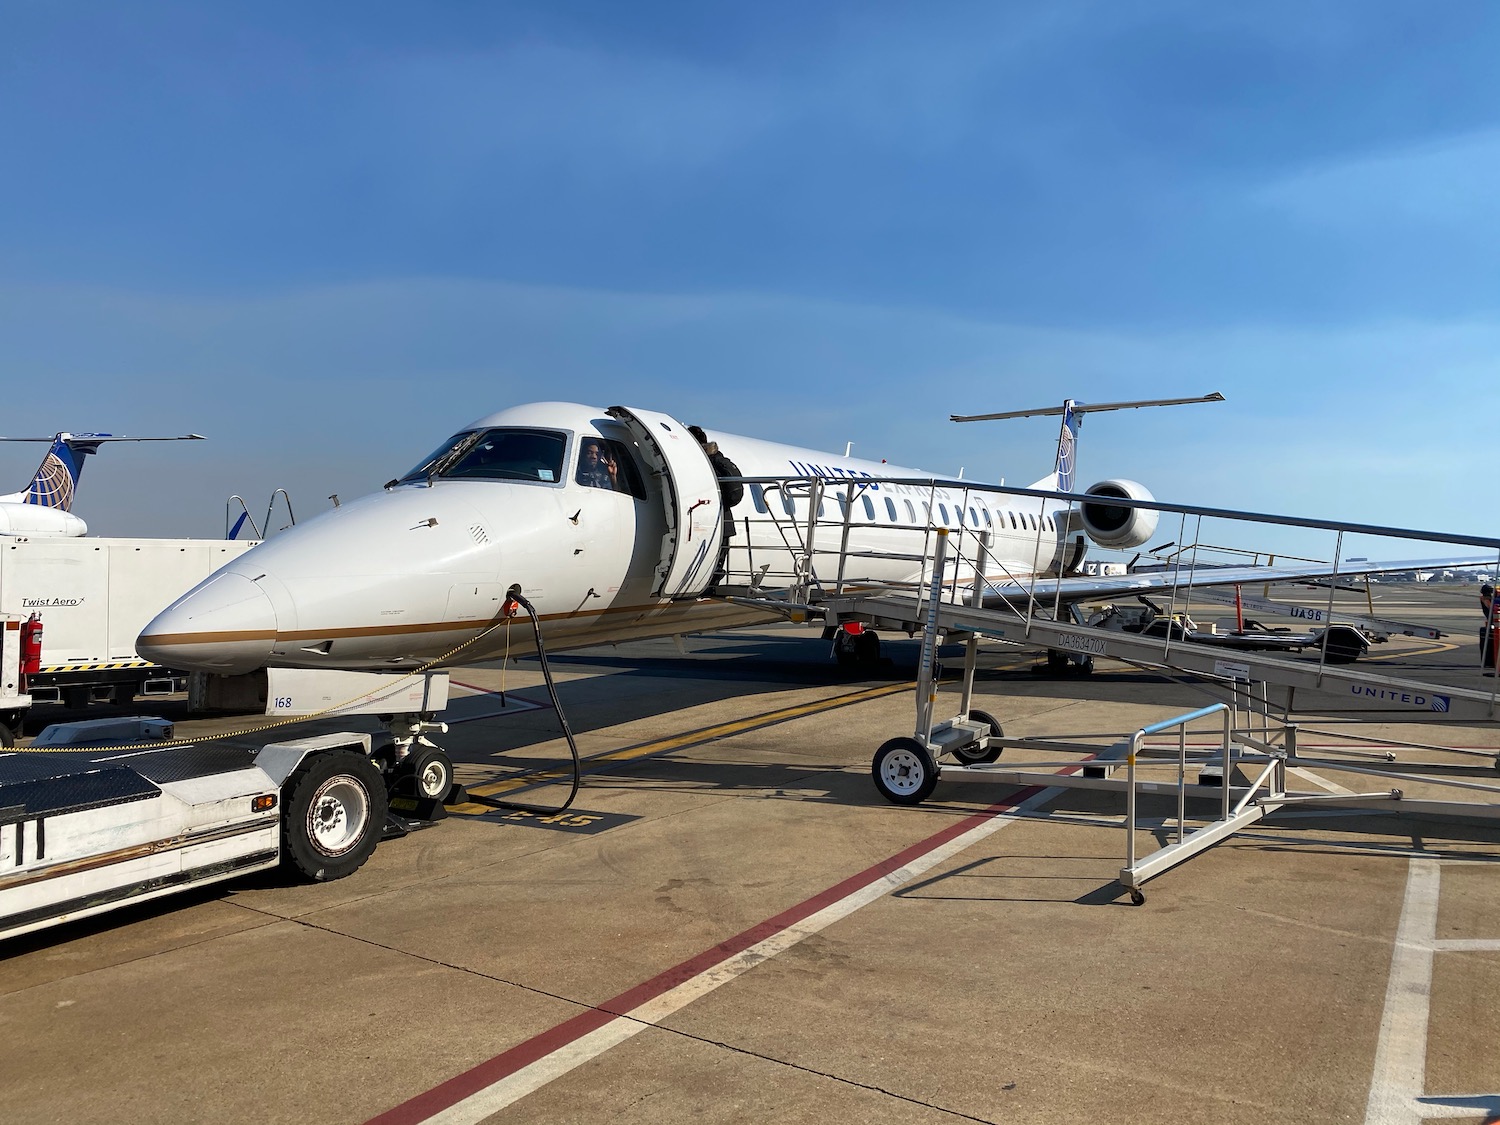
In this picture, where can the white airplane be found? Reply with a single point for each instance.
(43, 509)
(611, 522)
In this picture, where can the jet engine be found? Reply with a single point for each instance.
(1117, 525)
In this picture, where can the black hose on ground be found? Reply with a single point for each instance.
(514, 594)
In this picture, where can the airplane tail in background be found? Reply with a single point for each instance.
(56, 480)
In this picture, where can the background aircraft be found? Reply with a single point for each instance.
(44, 507)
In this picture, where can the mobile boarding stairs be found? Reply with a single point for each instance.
(1243, 770)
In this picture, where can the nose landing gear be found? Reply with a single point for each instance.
(418, 774)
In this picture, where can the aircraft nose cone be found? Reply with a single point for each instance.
(227, 625)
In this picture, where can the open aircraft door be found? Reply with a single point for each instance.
(690, 497)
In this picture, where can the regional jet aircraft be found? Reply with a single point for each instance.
(43, 509)
(612, 522)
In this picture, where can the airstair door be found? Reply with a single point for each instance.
(690, 497)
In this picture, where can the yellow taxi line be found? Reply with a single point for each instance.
(679, 741)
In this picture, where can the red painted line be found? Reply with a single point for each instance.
(485, 1074)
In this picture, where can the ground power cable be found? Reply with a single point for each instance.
(514, 595)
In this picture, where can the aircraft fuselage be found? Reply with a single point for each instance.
(408, 575)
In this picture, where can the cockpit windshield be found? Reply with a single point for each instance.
(500, 454)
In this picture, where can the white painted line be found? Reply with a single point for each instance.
(1401, 1056)
(497, 1096)
(1467, 945)
(1396, 1090)
(1321, 782)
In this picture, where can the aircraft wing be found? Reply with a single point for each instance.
(1084, 587)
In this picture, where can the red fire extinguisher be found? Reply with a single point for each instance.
(31, 646)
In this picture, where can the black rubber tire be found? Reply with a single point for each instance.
(432, 773)
(1057, 662)
(968, 756)
(332, 815)
(7, 737)
(904, 772)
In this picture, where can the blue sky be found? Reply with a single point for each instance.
(328, 235)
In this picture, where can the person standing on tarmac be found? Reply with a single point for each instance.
(1486, 644)
(730, 491)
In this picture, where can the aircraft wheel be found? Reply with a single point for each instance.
(334, 808)
(904, 772)
(433, 771)
(969, 755)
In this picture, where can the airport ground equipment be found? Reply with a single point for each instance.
(1243, 773)
(92, 597)
(86, 828)
(418, 772)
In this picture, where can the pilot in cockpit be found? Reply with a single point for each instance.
(594, 467)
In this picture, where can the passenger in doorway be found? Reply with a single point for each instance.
(593, 466)
(730, 491)
(1486, 644)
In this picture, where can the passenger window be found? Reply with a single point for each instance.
(973, 517)
(1012, 516)
(986, 513)
(869, 509)
(786, 503)
(890, 509)
(943, 511)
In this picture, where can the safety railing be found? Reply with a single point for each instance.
(1231, 818)
(233, 526)
(814, 553)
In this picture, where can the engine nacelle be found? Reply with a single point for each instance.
(39, 521)
(1117, 525)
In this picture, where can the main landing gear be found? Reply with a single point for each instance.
(856, 647)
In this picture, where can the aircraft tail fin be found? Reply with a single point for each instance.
(1061, 477)
(56, 480)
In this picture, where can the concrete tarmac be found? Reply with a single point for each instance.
(730, 924)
